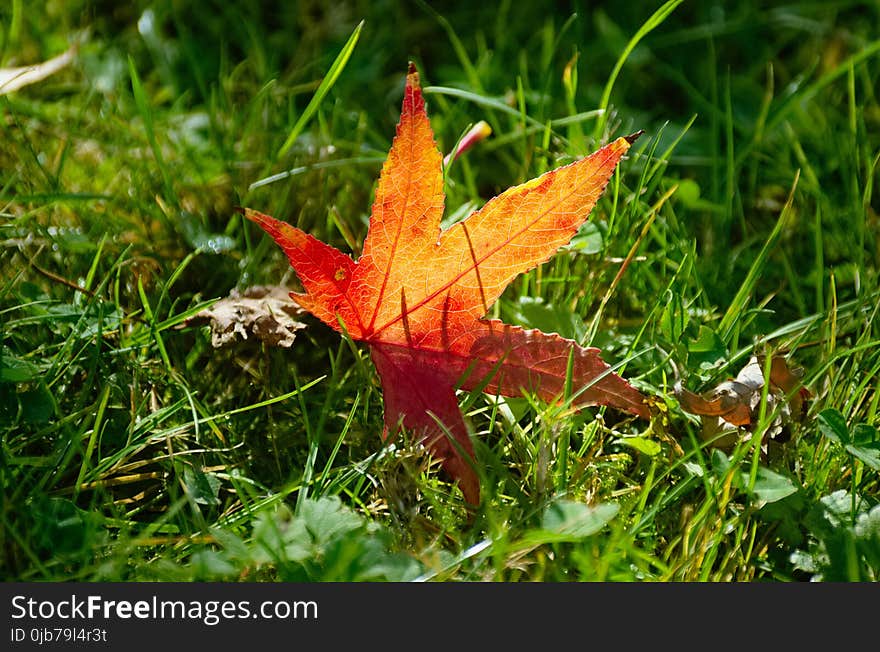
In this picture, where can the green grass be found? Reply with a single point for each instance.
(133, 450)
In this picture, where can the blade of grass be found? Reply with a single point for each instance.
(792, 102)
(328, 82)
(324, 478)
(485, 101)
(143, 106)
(96, 431)
(649, 25)
(335, 163)
(655, 209)
(738, 305)
(458, 47)
(151, 319)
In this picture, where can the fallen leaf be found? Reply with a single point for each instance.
(12, 79)
(417, 294)
(263, 311)
(735, 403)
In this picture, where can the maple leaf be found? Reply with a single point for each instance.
(417, 295)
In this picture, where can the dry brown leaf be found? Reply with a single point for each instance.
(12, 79)
(735, 404)
(266, 312)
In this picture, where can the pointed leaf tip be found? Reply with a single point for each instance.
(412, 78)
(634, 137)
(413, 101)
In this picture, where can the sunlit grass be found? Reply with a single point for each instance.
(743, 221)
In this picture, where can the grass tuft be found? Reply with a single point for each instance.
(743, 222)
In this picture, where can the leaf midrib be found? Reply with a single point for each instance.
(476, 263)
(411, 127)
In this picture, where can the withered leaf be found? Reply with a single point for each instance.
(266, 312)
(13, 79)
(735, 403)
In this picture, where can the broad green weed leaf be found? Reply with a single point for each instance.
(771, 486)
(643, 445)
(327, 518)
(674, 318)
(869, 455)
(64, 528)
(862, 443)
(866, 445)
(588, 240)
(707, 350)
(203, 487)
(832, 424)
(534, 312)
(566, 520)
(864, 434)
(14, 369)
(211, 564)
(327, 541)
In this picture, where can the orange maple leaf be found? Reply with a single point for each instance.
(417, 294)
